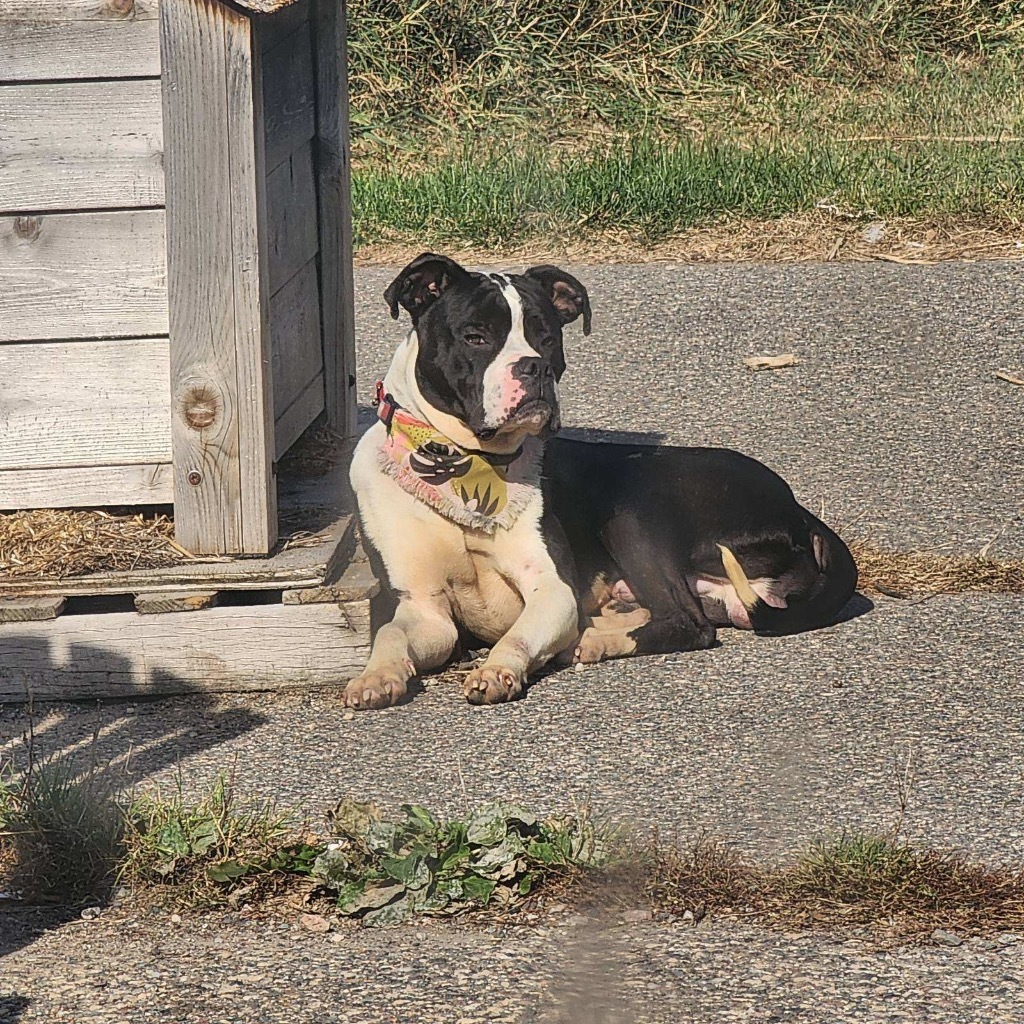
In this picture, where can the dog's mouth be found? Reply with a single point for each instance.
(535, 417)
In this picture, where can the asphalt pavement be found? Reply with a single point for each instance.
(892, 419)
(893, 423)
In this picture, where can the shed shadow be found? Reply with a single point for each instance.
(123, 740)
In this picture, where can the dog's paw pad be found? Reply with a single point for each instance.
(374, 690)
(490, 685)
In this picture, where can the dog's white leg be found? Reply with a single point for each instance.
(548, 624)
(420, 637)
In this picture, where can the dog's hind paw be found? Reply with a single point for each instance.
(493, 685)
(374, 690)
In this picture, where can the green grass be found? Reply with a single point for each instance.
(62, 827)
(653, 189)
(447, 63)
(493, 124)
(198, 851)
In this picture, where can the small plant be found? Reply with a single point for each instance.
(384, 871)
(204, 848)
(64, 830)
(871, 878)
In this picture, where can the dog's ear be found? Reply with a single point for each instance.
(421, 283)
(568, 295)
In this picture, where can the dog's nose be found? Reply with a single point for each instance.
(533, 369)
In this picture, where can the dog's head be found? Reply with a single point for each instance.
(490, 345)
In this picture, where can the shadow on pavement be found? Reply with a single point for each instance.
(122, 739)
(11, 1007)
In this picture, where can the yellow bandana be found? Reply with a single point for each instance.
(469, 487)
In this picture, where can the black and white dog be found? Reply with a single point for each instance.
(548, 548)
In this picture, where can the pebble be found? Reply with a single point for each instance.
(942, 937)
(634, 916)
(348, 716)
(90, 913)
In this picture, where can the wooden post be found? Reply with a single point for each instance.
(222, 420)
(333, 193)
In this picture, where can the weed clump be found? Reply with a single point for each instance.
(879, 882)
(385, 871)
(63, 829)
(203, 850)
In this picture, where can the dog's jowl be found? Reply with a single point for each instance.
(490, 526)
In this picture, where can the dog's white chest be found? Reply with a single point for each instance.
(484, 576)
(484, 600)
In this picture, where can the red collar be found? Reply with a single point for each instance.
(385, 404)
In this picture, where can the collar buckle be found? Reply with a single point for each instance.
(385, 404)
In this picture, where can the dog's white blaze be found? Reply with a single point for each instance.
(502, 392)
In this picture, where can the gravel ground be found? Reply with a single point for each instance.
(224, 969)
(892, 421)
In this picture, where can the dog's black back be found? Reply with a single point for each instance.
(657, 515)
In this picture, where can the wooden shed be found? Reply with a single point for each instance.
(175, 310)
(175, 254)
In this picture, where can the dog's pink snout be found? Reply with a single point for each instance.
(512, 392)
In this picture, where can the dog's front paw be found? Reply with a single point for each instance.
(375, 690)
(493, 685)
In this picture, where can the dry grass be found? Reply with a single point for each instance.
(60, 543)
(825, 235)
(879, 882)
(901, 574)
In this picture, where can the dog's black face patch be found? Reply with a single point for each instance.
(490, 349)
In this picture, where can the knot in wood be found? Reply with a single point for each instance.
(201, 406)
(122, 8)
(28, 227)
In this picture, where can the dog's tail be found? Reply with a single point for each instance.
(819, 606)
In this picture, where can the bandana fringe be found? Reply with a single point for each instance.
(521, 494)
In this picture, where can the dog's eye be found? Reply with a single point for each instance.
(474, 339)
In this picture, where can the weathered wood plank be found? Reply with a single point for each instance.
(30, 609)
(83, 275)
(295, 337)
(86, 486)
(262, 647)
(291, 216)
(358, 616)
(357, 583)
(334, 192)
(31, 49)
(79, 10)
(222, 399)
(76, 145)
(85, 403)
(289, 103)
(290, 425)
(175, 601)
(250, 243)
(275, 29)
